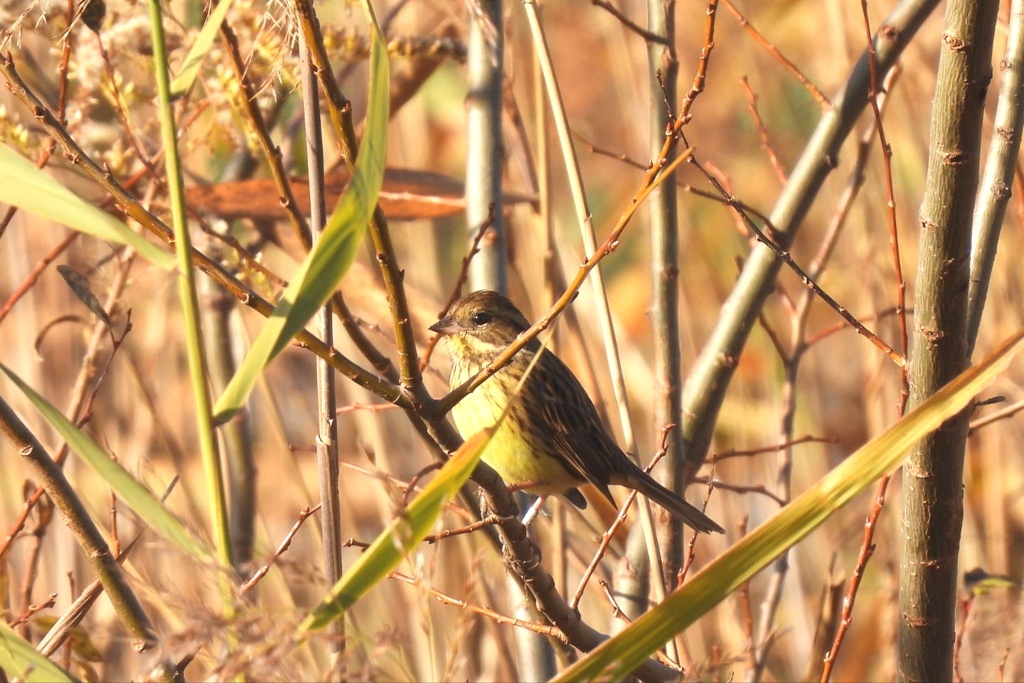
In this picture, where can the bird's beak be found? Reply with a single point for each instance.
(445, 326)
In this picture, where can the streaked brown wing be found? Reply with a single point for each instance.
(577, 436)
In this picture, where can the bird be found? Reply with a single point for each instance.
(552, 441)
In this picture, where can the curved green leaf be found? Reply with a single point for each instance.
(139, 498)
(204, 41)
(28, 188)
(403, 535)
(331, 257)
(618, 656)
(19, 660)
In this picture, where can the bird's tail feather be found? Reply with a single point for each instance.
(645, 484)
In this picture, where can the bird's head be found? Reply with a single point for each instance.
(482, 324)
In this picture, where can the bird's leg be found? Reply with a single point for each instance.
(534, 509)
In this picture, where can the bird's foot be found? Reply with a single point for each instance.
(534, 510)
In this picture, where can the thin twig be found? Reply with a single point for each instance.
(37, 270)
(1003, 414)
(94, 547)
(33, 609)
(737, 488)
(215, 270)
(966, 603)
(867, 549)
(766, 143)
(782, 252)
(875, 92)
(617, 612)
(817, 94)
(446, 599)
(271, 152)
(745, 453)
(430, 467)
(474, 249)
(629, 24)
(684, 186)
(62, 103)
(304, 514)
(691, 545)
(609, 533)
(87, 384)
(122, 114)
(701, 74)
(489, 520)
(64, 627)
(746, 610)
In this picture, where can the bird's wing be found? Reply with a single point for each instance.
(577, 439)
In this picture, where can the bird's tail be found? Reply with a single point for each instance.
(645, 484)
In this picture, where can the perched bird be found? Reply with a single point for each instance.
(552, 439)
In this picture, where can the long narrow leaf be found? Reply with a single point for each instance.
(402, 536)
(28, 188)
(329, 260)
(615, 658)
(204, 41)
(20, 661)
(139, 498)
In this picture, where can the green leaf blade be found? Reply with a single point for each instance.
(204, 41)
(618, 656)
(18, 659)
(329, 260)
(30, 189)
(139, 498)
(401, 537)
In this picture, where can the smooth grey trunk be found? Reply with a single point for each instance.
(933, 476)
(708, 381)
(326, 394)
(663, 211)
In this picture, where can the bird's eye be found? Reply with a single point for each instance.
(481, 318)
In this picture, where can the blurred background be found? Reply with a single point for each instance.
(141, 408)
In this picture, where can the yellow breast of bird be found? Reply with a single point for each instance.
(516, 453)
